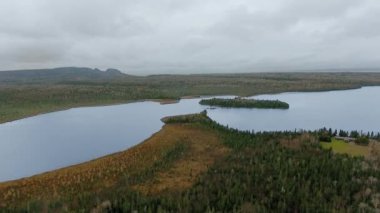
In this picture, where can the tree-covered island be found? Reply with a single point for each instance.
(245, 103)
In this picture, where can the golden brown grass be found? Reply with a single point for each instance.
(204, 149)
(105, 172)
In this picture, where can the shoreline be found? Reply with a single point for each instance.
(77, 165)
(312, 91)
(167, 101)
(107, 171)
(161, 101)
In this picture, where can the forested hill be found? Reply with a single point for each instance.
(59, 75)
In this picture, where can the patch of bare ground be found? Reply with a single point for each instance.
(204, 148)
(374, 153)
(190, 96)
(164, 101)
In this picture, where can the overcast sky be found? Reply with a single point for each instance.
(182, 36)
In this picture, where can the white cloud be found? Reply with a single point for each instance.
(171, 36)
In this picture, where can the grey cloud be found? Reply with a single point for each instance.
(171, 36)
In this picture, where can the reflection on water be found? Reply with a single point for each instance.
(348, 110)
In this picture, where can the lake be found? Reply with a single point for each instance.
(45, 142)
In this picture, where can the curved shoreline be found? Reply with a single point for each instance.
(166, 101)
(77, 165)
(109, 170)
(160, 101)
(154, 100)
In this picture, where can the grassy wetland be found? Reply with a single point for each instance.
(194, 164)
(342, 147)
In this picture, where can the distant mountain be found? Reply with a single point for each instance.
(59, 75)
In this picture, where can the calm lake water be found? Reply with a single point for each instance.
(54, 140)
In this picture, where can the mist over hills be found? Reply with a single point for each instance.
(82, 75)
(59, 75)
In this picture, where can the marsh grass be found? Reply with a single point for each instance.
(342, 147)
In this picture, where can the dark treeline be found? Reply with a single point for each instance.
(245, 103)
(359, 137)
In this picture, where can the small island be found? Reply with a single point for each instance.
(245, 103)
